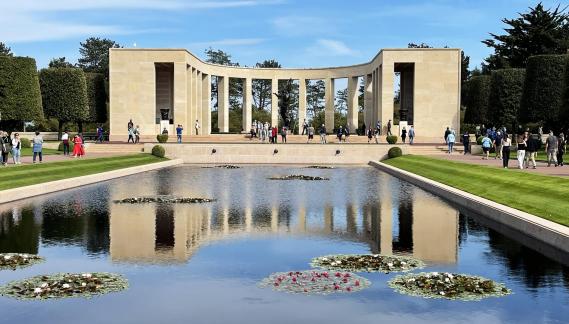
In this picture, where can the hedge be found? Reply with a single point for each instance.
(505, 97)
(64, 94)
(477, 98)
(20, 98)
(25, 142)
(391, 139)
(162, 138)
(97, 97)
(394, 152)
(544, 89)
(71, 146)
(158, 151)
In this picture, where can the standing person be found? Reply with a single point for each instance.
(37, 145)
(522, 145)
(505, 146)
(137, 134)
(16, 148)
(403, 135)
(130, 124)
(130, 134)
(275, 133)
(5, 143)
(450, 141)
(197, 127)
(310, 132)
(466, 142)
(304, 126)
(283, 134)
(322, 134)
(65, 140)
(389, 128)
(78, 149)
(378, 126)
(339, 134)
(477, 131)
(498, 145)
(179, 130)
(533, 145)
(551, 146)
(369, 134)
(446, 134)
(100, 134)
(346, 134)
(562, 145)
(486, 145)
(411, 135)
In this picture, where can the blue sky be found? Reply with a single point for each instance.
(296, 33)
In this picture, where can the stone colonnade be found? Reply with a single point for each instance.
(145, 81)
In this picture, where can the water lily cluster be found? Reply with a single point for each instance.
(164, 200)
(448, 285)
(13, 261)
(319, 167)
(64, 285)
(227, 166)
(367, 263)
(298, 177)
(315, 282)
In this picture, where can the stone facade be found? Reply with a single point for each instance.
(137, 75)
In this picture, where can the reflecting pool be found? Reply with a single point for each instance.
(201, 263)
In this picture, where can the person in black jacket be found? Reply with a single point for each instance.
(533, 145)
(466, 142)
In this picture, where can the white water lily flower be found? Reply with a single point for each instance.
(447, 280)
(37, 291)
(83, 284)
(450, 276)
(442, 293)
(324, 259)
(7, 257)
(435, 273)
(403, 263)
(44, 285)
(86, 275)
(390, 264)
(65, 286)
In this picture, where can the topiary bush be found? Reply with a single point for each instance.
(394, 152)
(162, 138)
(479, 140)
(20, 97)
(26, 143)
(476, 99)
(158, 151)
(391, 139)
(506, 96)
(71, 146)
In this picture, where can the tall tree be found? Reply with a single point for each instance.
(315, 97)
(262, 87)
(59, 62)
(341, 105)
(235, 86)
(539, 31)
(5, 50)
(288, 100)
(95, 55)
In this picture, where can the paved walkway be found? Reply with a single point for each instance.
(476, 159)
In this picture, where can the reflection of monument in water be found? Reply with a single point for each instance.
(420, 225)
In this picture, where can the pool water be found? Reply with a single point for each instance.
(201, 263)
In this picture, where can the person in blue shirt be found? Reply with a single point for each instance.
(486, 145)
(179, 130)
(450, 141)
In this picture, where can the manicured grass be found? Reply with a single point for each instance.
(27, 151)
(544, 196)
(25, 175)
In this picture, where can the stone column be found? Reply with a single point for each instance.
(199, 102)
(368, 100)
(187, 124)
(386, 88)
(223, 103)
(206, 104)
(302, 104)
(329, 110)
(180, 94)
(194, 111)
(247, 105)
(274, 103)
(353, 106)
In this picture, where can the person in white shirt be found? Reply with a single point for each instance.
(197, 127)
(65, 140)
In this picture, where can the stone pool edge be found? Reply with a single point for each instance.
(10, 195)
(553, 234)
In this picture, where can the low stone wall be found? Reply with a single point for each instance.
(59, 185)
(553, 234)
(265, 154)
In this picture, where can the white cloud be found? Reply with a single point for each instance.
(229, 42)
(329, 47)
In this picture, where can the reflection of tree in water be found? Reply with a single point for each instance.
(403, 240)
(19, 233)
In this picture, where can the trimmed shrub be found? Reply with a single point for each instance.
(60, 146)
(97, 97)
(20, 97)
(506, 96)
(479, 140)
(477, 98)
(391, 139)
(25, 142)
(544, 89)
(158, 151)
(394, 152)
(162, 138)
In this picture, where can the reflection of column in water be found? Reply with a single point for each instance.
(385, 216)
(274, 218)
(302, 218)
(404, 239)
(371, 212)
(225, 220)
(351, 219)
(164, 237)
(132, 232)
(248, 219)
(183, 216)
(328, 218)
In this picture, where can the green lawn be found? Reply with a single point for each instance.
(25, 175)
(27, 151)
(544, 196)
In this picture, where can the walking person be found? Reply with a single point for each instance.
(505, 145)
(283, 135)
(130, 134)
(369, 135)
(137, 134)
(16, 148)
(466, 142)
(322, 134)
(389, 128)
(522, 145)
(533, 145)
(411, 135)
(447, 131)
(346, 134)
(179, 130)
(377, 134)
(450, 141)
(65, 141)
(275, 133)
(37, 146)
(100, 134)
(304, 127)
(78, 149)
(130, 124)
(498, 145)
(486, 145)
(5, 147)
(403, 135)
(378, 126)
(197, 127)
(562, 145)
(310, 132)
(339, 134)
(551, 146)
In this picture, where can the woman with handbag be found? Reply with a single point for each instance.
(16, 148)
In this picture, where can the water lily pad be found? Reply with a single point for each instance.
(298, 177)
(313, 282)
(367, 263)
(65, 285)
(319, 167)
(448, 286)
(13, 261)
(163, 200)
(227, 166)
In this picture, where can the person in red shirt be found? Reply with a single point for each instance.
(274, 135)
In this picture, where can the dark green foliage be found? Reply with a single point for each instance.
(394, 152)
(5, 50)
(477, 98)
(505, 97)
(71, 146)
(162, 138)
(97, 97)
(64, 94)
(95, 55)
(391, 139)
(158, 151)
(59, 62)
(479, 140)
(25, 142)
(544, 89)
(20, 98)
